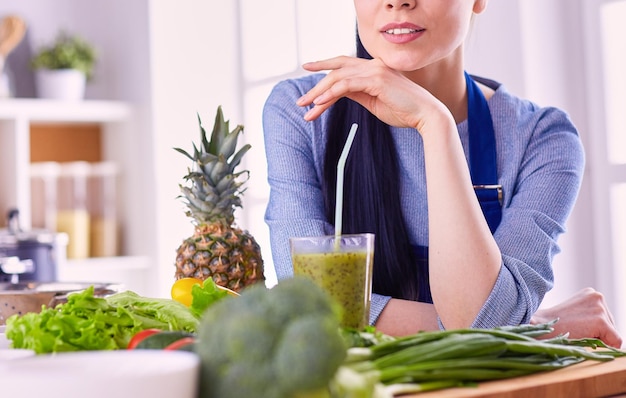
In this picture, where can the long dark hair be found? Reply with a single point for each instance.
(371, 193)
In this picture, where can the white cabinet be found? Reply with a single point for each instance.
(17, 117)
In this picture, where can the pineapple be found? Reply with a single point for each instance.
(217, 249)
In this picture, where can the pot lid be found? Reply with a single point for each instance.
(14, 234)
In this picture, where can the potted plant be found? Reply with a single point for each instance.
(62, 68)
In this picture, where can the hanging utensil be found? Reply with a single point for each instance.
(12, 30)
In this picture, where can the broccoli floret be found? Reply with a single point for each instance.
(298, 353)
(270, 343)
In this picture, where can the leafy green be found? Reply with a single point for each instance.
(204, 296)
(86, 322)
(156, 313)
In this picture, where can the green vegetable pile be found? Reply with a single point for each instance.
(285, 342)
(463, 357)
(86, 322)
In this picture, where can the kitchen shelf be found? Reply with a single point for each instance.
(18, 118)
(41, 110)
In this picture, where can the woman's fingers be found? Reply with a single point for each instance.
(364, 81)
(358, 89)
(330, 63)
(341, 68)
(388, 94)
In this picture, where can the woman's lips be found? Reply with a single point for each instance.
(399, 33)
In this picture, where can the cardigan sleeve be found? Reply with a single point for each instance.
(544, 181)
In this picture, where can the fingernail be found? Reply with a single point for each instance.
(320, 99)
(307, 115)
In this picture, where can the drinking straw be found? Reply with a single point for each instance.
(339, 194)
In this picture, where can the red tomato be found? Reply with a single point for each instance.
(180, 343)
(137, 338)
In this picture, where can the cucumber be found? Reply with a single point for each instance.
(184, 344)
(161, 340)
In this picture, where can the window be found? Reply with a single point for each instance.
(613, 36)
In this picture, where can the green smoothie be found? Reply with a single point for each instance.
(345, 276)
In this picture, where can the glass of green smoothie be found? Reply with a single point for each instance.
(342, 266)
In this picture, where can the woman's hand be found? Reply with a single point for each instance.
(387, 93)
(584, 315)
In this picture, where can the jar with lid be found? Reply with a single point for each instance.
(102, 199)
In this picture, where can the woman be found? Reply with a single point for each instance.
(431, 140)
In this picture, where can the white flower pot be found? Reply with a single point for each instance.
(60, 84)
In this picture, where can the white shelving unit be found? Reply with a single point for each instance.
(16, 118)
(158, 68)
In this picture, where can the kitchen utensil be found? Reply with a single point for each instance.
(19, 248)
(23, 297)
(12, 30)
(102, 374)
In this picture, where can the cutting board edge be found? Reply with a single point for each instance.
(589, 379)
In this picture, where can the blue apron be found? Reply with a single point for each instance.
(483, 170)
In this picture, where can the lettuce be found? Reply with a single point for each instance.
(202, 297)
(86, 322)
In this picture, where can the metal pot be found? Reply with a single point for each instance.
(27, 255)
(23, 297)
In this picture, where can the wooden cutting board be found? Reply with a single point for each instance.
(589, 379)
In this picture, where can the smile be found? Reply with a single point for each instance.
(402, 31)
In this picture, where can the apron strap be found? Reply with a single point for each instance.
(482, 155)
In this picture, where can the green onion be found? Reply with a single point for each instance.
(441, 359)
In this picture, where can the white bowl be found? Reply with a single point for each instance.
(8, 353)
(102, 374)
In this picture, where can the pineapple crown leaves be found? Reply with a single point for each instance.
(215, 187)
(220, 148)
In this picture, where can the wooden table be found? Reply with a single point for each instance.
(589, 379)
